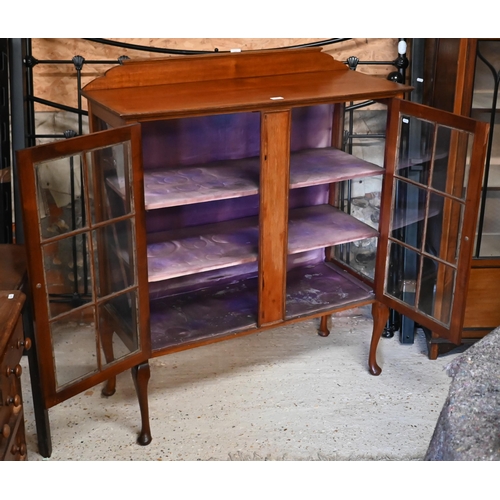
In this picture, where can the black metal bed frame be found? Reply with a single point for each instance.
(22, 63)
(24, 133)
(23, 117)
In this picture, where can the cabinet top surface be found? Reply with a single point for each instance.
(13, 266)
(11, 303)
(222, 83)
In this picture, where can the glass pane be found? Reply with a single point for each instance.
(404, 266)
(370, 123)
(484, 79)
(109, 173)
(68, 275)
(118, 327)
(433, 281)
(114, 257)
(450, 172)
(359, 255)
(436, 290)
(414, 160)
(444, 227)
(410, 212)
(74, 345)
(59, 195)
(360, 198)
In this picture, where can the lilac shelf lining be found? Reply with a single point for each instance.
(213, 246)
(237, 178)
(196, 184)
(231, 307)
(325, 165)
(317, 288)
(202, 248)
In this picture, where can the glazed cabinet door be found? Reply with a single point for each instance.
(83, 214)
(430, 205)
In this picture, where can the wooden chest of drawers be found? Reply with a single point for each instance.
(12, 345)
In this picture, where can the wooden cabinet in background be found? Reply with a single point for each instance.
(12, 345)
(463, 76)
(210, 202)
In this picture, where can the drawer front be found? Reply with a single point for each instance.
(14, 349)
(10, 398)
(13, 448)
(10, 373)
(12, 444)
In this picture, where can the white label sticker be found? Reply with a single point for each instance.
(10, 296)
(405, 120)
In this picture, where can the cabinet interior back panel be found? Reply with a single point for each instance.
(198, 140)
(198, 214)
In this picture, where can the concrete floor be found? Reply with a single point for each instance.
(284, 394)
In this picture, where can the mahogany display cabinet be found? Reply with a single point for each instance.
(208, 202)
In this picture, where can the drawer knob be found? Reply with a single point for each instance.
(17, 371)
(6, 431)
(21, 449)
(16, 401)
(26, 343)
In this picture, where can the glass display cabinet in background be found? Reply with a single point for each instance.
(462, 75)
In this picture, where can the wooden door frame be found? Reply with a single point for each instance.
(26, 159)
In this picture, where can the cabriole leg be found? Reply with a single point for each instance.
(109, 387)
(106, 332)
(323, 330)
(380, 314)
(140, 375)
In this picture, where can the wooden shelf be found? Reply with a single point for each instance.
(325, 165)
(231, 307)
(214, 311)
(318, 288)
(237, 178)
(324, 226)
(494, 174)
(214, 246)
(483, 101)
(202, 248)
(201, 183)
